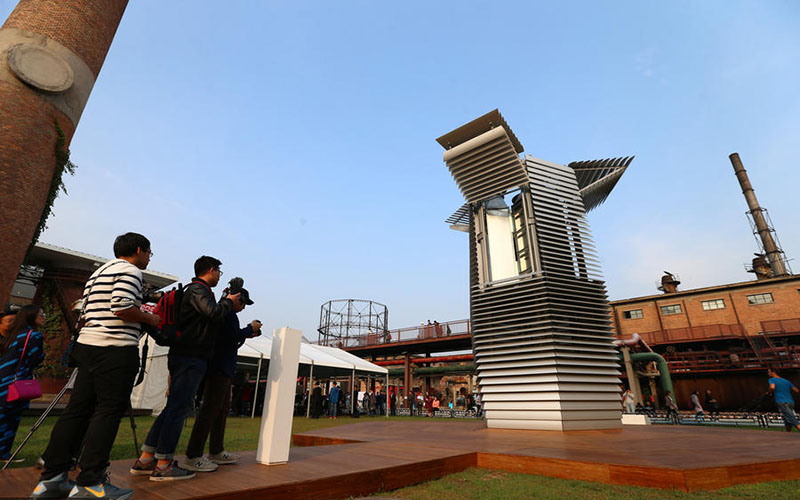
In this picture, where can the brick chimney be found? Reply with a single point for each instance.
(51, 52)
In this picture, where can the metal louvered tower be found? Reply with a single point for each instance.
(541, 333)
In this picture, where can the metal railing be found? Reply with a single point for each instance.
(439, 413)
(712, 361)
(730, 419)
(422, 332)
(781, 326)
(693, 333)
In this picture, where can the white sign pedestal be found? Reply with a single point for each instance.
(276, 421)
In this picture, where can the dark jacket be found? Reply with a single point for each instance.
(316, 402)
(333, 396)
(229, 339)
(200, 318)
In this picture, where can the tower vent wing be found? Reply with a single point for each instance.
(477, 127)
(486, 165)
(596, 178)
(461, 216)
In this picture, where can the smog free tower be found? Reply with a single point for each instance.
(541, 333)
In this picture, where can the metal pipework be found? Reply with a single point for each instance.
(663, 368)
(770, 247)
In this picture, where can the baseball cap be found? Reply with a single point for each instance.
(9, 309)
(245, 297)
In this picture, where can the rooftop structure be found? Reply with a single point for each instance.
(343, 321)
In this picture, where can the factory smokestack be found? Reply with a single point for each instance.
(773, 253)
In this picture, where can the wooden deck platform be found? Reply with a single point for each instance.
(377, 455)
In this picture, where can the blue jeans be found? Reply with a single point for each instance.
(332, 408)
(186, 373)
(788, 414)
(10, 414)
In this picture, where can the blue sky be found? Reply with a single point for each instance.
(295, 140)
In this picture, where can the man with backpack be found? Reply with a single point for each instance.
(188, 357)
(212, 417)
(107, 355)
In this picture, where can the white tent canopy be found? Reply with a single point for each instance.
(151, 394)
(360, 365)
(330, 358)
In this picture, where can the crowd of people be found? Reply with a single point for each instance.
(105, 354)
(779, 388)
(376, 402)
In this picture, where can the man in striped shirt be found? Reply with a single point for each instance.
(107, 357)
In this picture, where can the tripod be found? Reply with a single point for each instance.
(68, 386)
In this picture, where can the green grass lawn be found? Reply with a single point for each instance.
(481, 484)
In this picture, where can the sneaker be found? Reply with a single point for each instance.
(57, 487)
(199, 464)
(224, 458)
(171, 473)
(143, 468)
(102, 491)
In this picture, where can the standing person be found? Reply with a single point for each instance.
(333, 400)
(672, 408)
(247, 397)
(359, 406)
(381, 401)
(782, 390)
(372, 403)
(435, 405)
(698, 409)
(365, 403)
(21, 351)
(107, 357)
(393, 402)
(316, 401)
(213, 414)
(187, 361)
(628, 401)
(7, 317)
(712, 405)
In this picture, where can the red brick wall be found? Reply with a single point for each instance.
(737, 308)
(86, 27)
(27, 159)
(27, 131)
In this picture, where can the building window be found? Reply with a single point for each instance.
(760, 298)
(633, 314)
(673, 309)
(710, 305)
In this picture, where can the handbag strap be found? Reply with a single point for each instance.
(19, 365)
